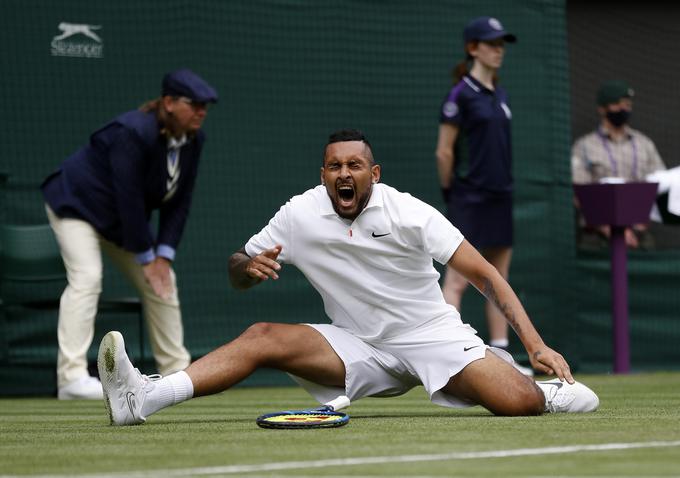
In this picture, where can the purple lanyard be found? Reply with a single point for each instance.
(613, 163)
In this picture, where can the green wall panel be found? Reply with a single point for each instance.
(289, 73)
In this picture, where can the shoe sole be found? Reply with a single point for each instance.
(109, 347)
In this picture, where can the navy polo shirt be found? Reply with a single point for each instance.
(482, 151)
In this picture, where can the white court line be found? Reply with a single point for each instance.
(366, 460)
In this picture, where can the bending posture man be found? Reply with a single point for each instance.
(367, 249)
(102, 198)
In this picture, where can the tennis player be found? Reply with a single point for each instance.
(367, 249)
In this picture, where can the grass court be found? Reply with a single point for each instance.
(636, 432)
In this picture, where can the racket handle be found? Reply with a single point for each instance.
(338, 403)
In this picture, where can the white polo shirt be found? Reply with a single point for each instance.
(375, 274)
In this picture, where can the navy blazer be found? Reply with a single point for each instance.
(117, 180)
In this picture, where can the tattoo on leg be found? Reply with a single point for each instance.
(490, 293)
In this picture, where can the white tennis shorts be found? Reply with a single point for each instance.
(429, 355)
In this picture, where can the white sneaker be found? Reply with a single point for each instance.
(85, 388)
(124, 386)
(563, 397)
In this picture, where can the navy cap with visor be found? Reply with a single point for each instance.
(485, 29)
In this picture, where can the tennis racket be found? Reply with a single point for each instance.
(326, 416)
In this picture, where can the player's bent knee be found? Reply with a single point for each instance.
(533, 403)
(269, 342)
(259, 331)
(527, 401)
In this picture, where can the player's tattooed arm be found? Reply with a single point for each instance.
(506, 309)
(467, 261)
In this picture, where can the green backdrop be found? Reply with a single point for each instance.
(289, 72)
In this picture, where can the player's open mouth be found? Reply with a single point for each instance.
(345, 194)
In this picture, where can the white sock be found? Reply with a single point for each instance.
(170, 390)
(500, 343)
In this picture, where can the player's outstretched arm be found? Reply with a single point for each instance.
(246, 271)
(484, 276)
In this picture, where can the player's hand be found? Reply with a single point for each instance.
(549, 362)
(264, 265)
(157, 274)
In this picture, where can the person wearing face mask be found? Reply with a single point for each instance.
(614, 151)
(102, 198)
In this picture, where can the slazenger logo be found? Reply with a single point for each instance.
(70, 41)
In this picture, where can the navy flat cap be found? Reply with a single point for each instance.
(185, 82)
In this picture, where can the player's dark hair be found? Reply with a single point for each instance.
(347, 135)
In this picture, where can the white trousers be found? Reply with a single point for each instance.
(81, 247)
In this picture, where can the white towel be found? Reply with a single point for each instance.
(669, 181)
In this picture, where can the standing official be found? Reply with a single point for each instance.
(474, 161)
(102, 197)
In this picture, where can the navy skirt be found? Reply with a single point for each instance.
(485, 220)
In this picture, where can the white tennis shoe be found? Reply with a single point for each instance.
(125, 388)
(85, 388)
(565, 397)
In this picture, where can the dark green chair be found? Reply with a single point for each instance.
(32, 275)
